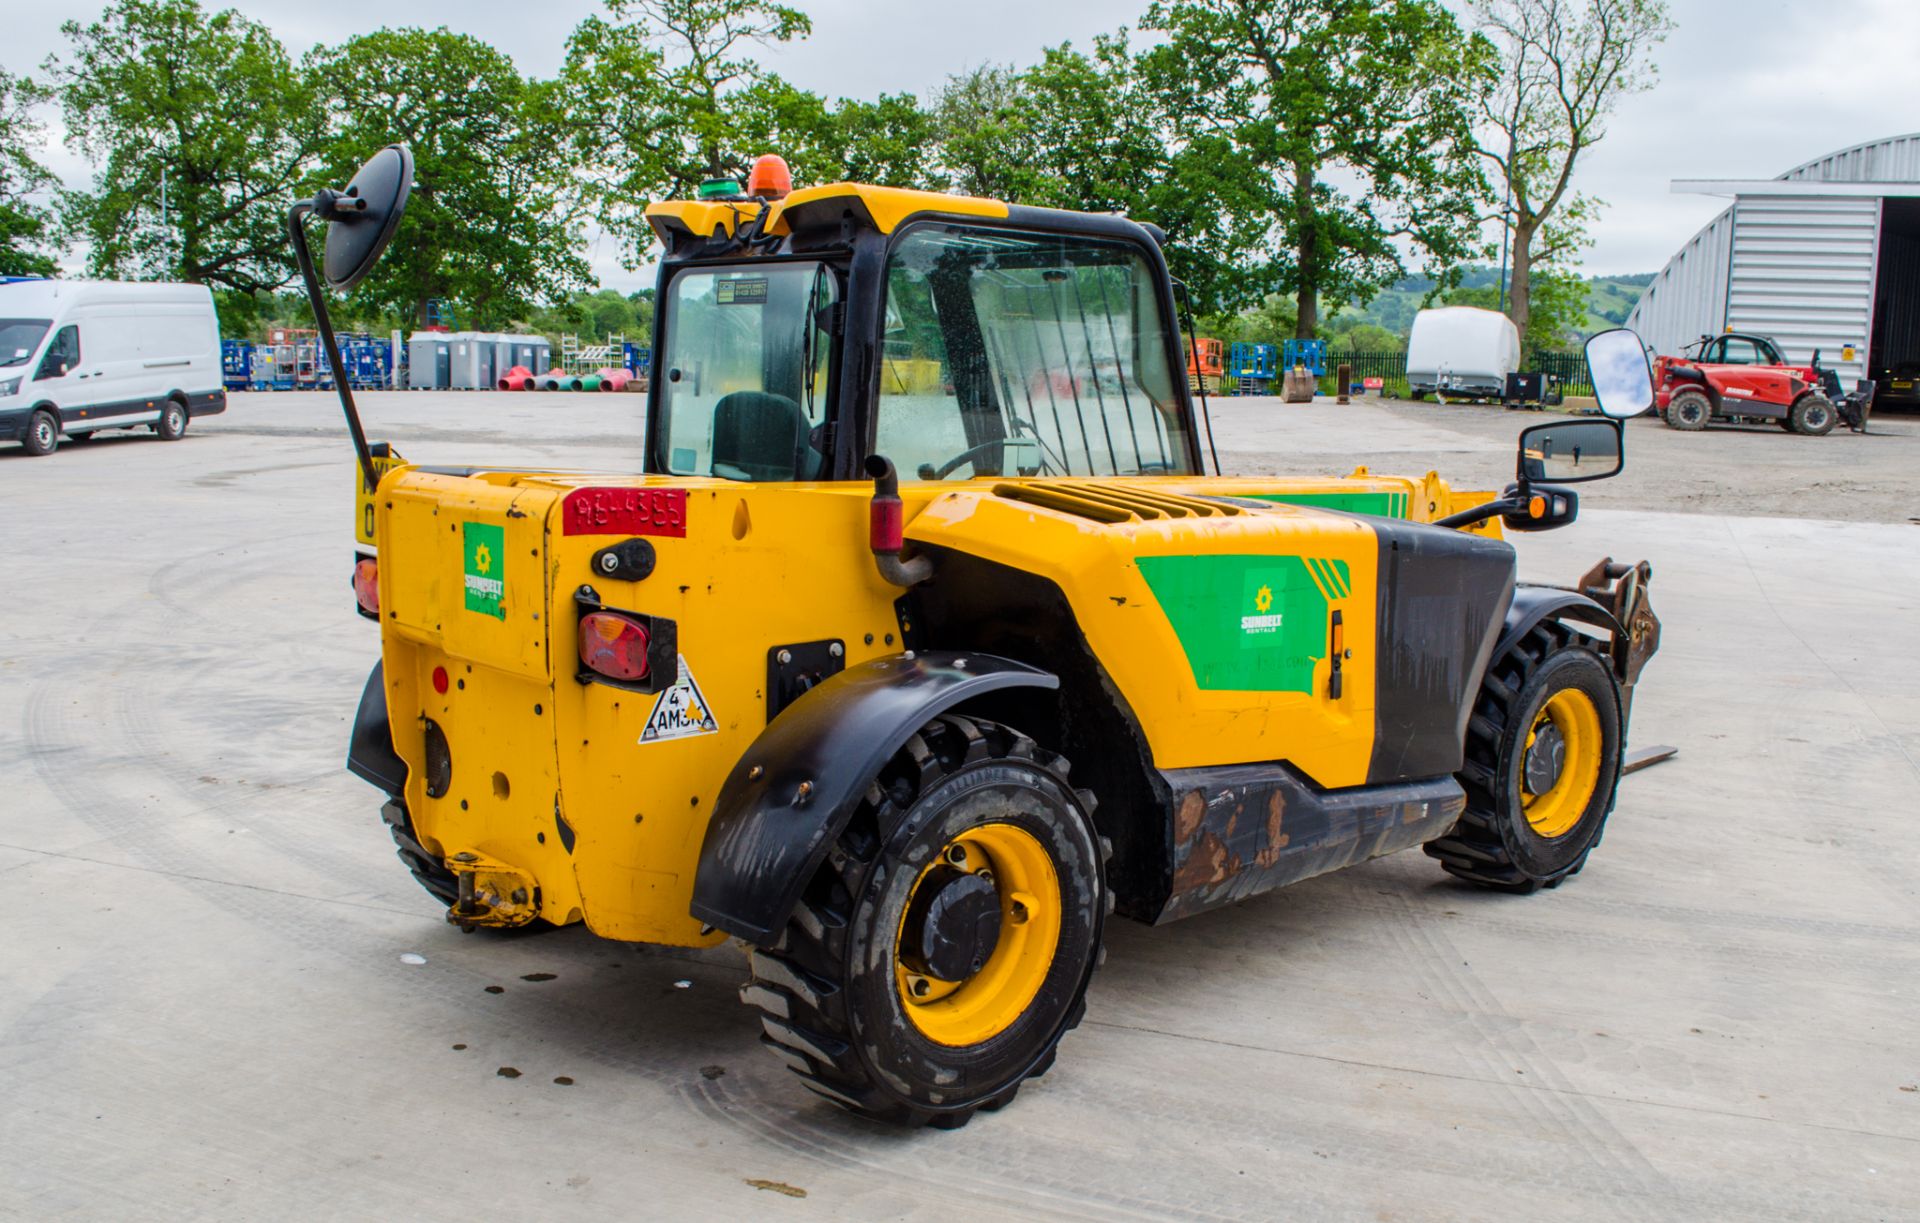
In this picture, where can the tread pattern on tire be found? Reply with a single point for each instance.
(803, 1016)
(428, 871)
(1475, 850)
(1689, 395)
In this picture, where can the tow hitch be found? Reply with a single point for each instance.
(490, 893)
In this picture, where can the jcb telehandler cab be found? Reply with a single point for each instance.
(922, 520)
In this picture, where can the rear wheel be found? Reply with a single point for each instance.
(1811, 414)
(1689, 410)
(173, 421)
(945, 945)
(1542, 763)
(43, 433)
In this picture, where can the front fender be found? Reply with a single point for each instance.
(1532, 604)
(794, 790)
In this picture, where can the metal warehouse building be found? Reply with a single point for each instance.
(1826, 256)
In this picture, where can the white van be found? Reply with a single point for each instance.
(79, 356)
(1461, 351)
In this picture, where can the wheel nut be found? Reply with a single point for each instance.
(957, 854)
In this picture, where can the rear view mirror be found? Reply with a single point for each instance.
(361, 220)
(1622, 378)
(1569, 452)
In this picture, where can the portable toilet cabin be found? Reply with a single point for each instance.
(1462, 351)
(531, 352)
(473, 361)
(429, 360)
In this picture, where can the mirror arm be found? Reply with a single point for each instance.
(327, 204)
(1521, 493)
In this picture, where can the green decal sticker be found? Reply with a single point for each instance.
(1380, 505)
(486, 564)
(1249, 623)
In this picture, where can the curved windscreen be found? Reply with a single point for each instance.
(744, 367)
(20, 337)
(1025, 354)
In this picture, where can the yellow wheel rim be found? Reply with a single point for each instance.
(987, 1003)
(1575, 719)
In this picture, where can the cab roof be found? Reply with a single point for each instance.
(878, 208)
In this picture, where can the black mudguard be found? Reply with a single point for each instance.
(1532, 604)
(794, 790)
(370, 754)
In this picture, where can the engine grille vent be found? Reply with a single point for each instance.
(1113, 503)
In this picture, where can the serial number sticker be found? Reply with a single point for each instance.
(680, 712)
(625, 511)
(741, 291)
(363, 517)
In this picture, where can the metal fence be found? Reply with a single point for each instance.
(1568, 368)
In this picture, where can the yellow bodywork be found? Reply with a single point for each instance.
(550, 777)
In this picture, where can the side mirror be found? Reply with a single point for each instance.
(361, 220)
(1570, 452)
(360, 223)
(1622, 378)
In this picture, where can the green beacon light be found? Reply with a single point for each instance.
(721, 189)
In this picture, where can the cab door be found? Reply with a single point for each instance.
(59, 379)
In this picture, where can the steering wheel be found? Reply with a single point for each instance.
(929, 472)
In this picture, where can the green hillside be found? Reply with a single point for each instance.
(1610, 299)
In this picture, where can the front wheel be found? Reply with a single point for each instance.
(945, 945)
(43, 433)
(1542, 764)
(1811, 414)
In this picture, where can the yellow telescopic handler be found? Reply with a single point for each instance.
(923, 642)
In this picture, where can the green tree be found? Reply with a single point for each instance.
(492, 223)
(213, 103)
(1564, 65)
(24, 225)
(1348, 121)
(662, 94)
(1086, 131)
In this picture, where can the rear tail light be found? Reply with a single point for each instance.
(366, 586)
(614, 646)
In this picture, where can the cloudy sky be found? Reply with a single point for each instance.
(1748, 88)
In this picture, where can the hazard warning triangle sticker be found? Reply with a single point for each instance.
(680, 712)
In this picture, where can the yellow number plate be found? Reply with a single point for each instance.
(363, 511)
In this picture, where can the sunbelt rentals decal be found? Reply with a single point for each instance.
(680, 712)
(485, 545)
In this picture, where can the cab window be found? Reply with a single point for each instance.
(1738, 350)
(1025, 354)
(63, 354)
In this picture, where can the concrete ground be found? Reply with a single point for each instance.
(221, 997)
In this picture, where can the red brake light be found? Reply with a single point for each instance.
(613, 646)
(366, 586)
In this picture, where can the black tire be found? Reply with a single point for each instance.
(428, 871)
(172, 425)
(832, 1005)
(1812, 414)
(1689, 410)
(1495, 844)
(43, 433)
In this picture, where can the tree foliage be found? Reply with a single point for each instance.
(1565, 64)
(663, 94)
(24, 224)
(1347, 121)
(491, 223)
(210, 100)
